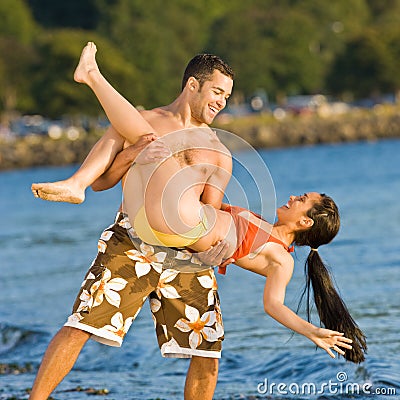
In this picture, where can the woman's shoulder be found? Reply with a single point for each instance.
(277, 255)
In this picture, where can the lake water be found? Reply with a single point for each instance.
(47, 248)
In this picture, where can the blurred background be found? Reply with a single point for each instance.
(291, 59)
(316, 94)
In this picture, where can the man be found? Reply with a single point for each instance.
(104, 296)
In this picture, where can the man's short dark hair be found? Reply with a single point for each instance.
(203, 66)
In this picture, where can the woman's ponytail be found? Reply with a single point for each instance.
(332, 311)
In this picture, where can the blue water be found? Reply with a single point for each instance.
(47, 247)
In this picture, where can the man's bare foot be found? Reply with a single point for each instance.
(58, 191)
(87, 64)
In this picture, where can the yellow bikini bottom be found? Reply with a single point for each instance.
(151, 236)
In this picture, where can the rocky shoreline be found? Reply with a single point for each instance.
(37, 151)
(358, 125)
(259, 131)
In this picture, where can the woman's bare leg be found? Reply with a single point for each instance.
(72, 190)
(123, 116)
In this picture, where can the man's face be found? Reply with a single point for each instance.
(211, 98)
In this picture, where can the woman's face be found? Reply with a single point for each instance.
(295, 210)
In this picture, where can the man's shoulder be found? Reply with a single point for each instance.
(153, 113)
(161, 120)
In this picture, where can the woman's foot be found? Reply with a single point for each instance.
(61, 191)
(87, 64)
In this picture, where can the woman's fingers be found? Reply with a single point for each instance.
(329, 351)
(345, 339)
(338, 350)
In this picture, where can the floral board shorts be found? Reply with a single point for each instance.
(183, 295)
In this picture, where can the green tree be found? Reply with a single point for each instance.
(17, 30)
(53, 87)
(15, 78)
(365, 68)
(81, 14)
(159, 38)
(335, 23)
(16, 21)
(269, 45)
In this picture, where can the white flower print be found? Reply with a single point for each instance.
(86, 301)
(219, 326)
(209, 282)
(183, 255)
(102, 245)
(108, 288)
(145, 259)
(125, 223)
(75, 317)
(106, 235)
(163, 289)
(200, 327)
(155, 305)
(90, 275)
(119, 327)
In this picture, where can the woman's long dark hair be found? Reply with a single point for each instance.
(332, 311)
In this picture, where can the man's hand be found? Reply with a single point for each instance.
(122, 163)
(215, 254)
(155, 151)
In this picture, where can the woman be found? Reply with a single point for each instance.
(311, 219)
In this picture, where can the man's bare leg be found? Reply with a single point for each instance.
(58, 361)
(201, 378)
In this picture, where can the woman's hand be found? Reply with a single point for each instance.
(327, 340)
(151, 151)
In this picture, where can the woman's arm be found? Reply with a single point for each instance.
(274, 295)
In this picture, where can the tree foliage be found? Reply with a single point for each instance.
(282, 47)
(52, 73)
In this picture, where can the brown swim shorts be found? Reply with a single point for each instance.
(183, 297)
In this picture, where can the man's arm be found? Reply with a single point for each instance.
(214, 188)
(121, 164)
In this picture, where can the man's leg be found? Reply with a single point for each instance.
(58, 360)
(201, 378)
(189, 324)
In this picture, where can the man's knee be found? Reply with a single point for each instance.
(205, 363)
(71, 334)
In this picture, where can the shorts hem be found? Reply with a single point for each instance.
(99, 335)
(189, 353)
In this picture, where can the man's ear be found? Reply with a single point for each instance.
(192, 84)
(306, 222)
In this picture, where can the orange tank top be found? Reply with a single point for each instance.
(249, 236)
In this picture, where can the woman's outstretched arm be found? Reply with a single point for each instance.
(279, 274)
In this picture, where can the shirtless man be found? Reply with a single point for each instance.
(206, 86)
